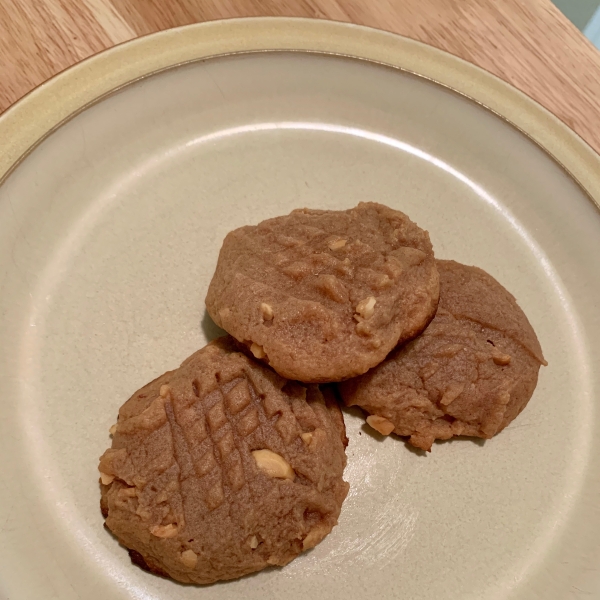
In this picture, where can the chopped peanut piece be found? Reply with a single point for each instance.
(164, 531)
(336, 244)
(384, 282)
(106, 479)
(113, 429)
(306, 437)
(453, 391)
(363, 329)
(267, 311)
(161, 497)
(380, 424)
(273, 465)
(375, 343)
(164, 390)
(500, 358)
(332, 287)
(253, 542)
(314, 536)
(143, 513)
(189, 558)
(128, 492)
(257, 350)
(366, 308)
(450, 351)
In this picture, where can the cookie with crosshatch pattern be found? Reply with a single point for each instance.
(323, 295)
(222, 468)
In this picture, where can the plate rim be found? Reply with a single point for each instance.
(26, 123)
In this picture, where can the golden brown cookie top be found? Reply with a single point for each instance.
(222, 467)
(325, 295)
(471, 372)
(471, 293)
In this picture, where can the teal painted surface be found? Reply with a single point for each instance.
(592, 29)
(585, 14)
(578, 12)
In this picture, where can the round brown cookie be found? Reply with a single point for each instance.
(325, 295)
(222, 468)
(471, 372)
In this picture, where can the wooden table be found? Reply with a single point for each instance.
(526, 42)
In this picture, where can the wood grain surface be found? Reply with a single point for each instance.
(529, 43)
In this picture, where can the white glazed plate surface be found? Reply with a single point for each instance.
(109, 234)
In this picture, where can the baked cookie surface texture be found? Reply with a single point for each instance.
(325, 295)
(222, 468)
(470, 373)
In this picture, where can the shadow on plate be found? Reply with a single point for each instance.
(210, 329)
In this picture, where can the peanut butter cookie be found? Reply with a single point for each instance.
(325, 295)
(222, 468)
(470, 373)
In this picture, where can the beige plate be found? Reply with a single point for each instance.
(109, 232)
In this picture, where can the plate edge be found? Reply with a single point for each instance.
(31, 119)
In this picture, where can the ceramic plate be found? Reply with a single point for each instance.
(121, 178)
